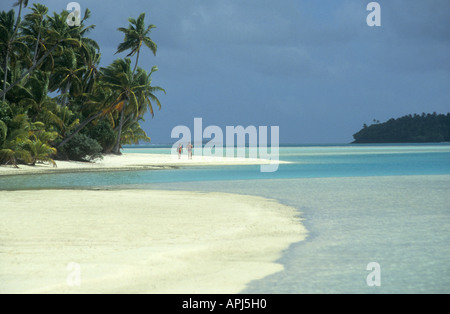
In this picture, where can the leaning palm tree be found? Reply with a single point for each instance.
(90, 58)
(145, 95)
(120, 79)
(135, 35)
(100, 103)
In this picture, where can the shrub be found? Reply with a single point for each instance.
(104, 134)
(81, 148)
(5, 112)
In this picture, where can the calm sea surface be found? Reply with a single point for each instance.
(388, 204)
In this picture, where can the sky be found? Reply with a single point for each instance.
(313, 68)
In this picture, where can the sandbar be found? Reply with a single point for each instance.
(133, 161)
(140, 241)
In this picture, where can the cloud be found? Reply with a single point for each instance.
(313, 67)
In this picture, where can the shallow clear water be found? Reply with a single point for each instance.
(307, 162)
(400, 222)
(388, 204)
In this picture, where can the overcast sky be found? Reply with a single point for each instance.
(313, 68)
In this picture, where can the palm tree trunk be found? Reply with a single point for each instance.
(5, 70)
(79, 128)
(66, 96)
(30, 70)
(16, 27)
(119, 135)
(37, 48)
(137, 60)
(124, 122)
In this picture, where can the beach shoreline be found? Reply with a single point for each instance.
(130, 162)
(140, 241)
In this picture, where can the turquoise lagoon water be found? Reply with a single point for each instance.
(306, 162)
(388, 204)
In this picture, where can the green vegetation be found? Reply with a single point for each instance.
(431, 128)
(55, 100)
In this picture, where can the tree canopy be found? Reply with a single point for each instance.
(432, 128)
(56, 102)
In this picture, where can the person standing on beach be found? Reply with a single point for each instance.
(189, 148)
(180, 151)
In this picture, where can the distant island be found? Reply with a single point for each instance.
(424, 128)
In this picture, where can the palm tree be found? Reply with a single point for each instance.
(134, 134)
(120, 79)
(11, 38)
(36, 96)
(147, 93)
(77, 68)
(67, 77)
(13, 141)
(33, 27)
(100, 103)
(135, 35)
(20, 3)
(11, 47)
(89, 56)
(61, 119)
(39, 148)
(27, 142)
(58, 35)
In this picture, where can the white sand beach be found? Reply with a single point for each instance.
(140, 241)
(133, 161)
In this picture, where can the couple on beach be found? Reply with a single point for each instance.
(189, 149)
